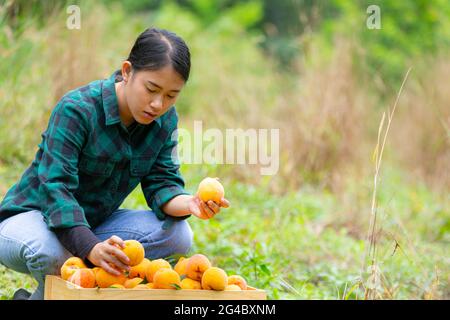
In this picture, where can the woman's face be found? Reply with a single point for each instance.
(150, 93)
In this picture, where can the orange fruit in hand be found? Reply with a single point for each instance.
(134, 251)
(211, 189)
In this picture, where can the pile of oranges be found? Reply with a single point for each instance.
(195, 272)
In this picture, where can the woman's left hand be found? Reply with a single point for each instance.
(206, 210)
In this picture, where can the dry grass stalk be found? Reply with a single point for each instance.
(370, 291)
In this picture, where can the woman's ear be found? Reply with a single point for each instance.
(126, 70)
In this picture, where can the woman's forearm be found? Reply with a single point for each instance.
(178, 206)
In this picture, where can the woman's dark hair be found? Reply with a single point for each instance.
(157, 48)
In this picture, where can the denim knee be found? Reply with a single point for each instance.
(177, 239)
(28, 246)
(182, 237)
(46, 257)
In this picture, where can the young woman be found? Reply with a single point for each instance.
(102, 140)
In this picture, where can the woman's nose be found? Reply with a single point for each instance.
(156, 104)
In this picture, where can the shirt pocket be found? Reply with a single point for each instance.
(141, 166)
(95, 166)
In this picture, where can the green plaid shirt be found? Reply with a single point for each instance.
(88, 162)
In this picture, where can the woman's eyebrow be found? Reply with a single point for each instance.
(161, 87)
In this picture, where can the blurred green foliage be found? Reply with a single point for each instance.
(409, 29)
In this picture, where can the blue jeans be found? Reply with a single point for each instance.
(28, 246)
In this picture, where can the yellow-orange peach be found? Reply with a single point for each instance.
(150, 285)
(141, 286)
(131, 283)
(238, 280)
(95, 269)
(166, 279)
(139, 270)
(214, 279)
(211, 189)
(69, 267)
(154, 266)
(232, 287)
(196, 265)
(187, 283)
(180, 267)
(83, 277)
(105, 279)
(134, 251)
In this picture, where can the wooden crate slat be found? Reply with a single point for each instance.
(58, 289)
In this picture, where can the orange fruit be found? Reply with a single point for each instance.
(83, 277)
(70, 266)
(187, 283)
(166, 278)
(232, 287)
(134, 251)
(211, 189)
(238, 280)
(154, 266)
(196, 265)
(131, 283)
(214, 279)
(180, 267)
(139, 270)
(105, 279)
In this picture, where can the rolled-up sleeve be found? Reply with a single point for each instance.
(58, 169)
(164, 181)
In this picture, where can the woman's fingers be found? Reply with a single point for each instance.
(120, 255)
(108, 268)
(110, 256)
(207, 210)
(213, 206)
(113, 240)
(119, 264)
(224, 203)
(114, 254)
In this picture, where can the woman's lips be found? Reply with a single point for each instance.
(149, 115)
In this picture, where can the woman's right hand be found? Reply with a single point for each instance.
(109, 256)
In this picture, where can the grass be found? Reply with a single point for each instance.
(296, 246)
(371, 290)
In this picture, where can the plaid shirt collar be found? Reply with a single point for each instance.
(109, 97)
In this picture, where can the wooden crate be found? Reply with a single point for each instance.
(58, 289)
